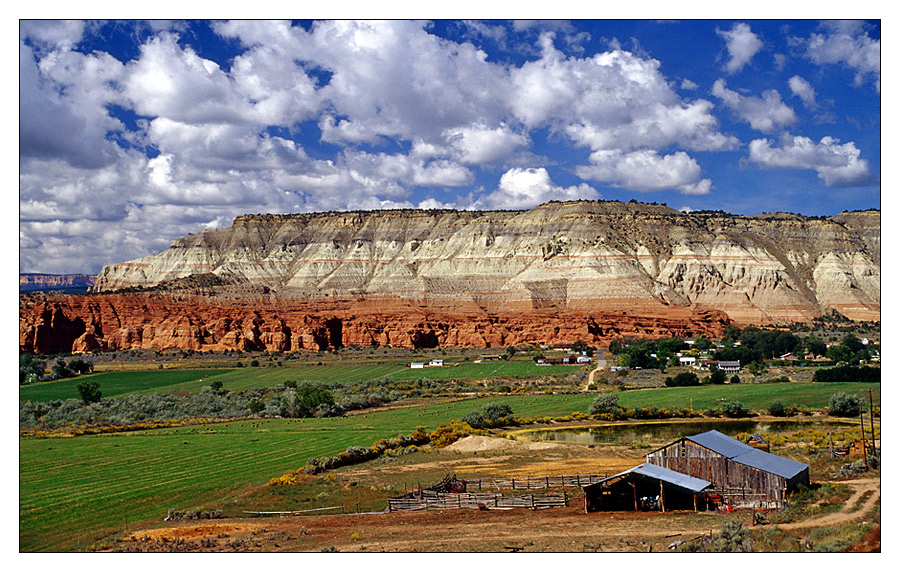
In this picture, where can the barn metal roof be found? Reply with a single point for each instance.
(747, 455)
(672, 477)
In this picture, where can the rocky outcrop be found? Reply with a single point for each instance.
(553, 274)
(32, 282)
(55, 323)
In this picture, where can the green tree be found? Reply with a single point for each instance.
(30, 368)
(89, 392)
(717, 377)
(756, 368)
(605, 403)
(839, 353)
(683, 379)
(815, 345)
(310, 397)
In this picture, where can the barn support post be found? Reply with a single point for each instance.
(662, 498)
(634, 492)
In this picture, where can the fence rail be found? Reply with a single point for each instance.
(443, 501)
(527, 483)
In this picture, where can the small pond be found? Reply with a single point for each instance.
(663, 433)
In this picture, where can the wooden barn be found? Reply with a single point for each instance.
(646, 487)
(738, 471)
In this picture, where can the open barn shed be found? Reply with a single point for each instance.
(740, 473)
(646, 487)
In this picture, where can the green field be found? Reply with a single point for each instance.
(117, 383)
(75, 490)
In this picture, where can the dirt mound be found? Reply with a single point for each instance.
(481, 443)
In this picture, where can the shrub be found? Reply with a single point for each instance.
(735, 378)
(89, 392)
(717, 377)
(683, 379)
(605, 403)
(843, 405)
(776, 409)
(735, 409)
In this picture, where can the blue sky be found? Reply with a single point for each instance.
(133, 134)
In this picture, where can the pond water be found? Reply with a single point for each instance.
(664, 433)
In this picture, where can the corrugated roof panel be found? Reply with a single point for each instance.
(747, 455)
(770, 463)
(720, 443)
(667, 475)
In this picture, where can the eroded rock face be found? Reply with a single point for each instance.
(416, 278)
(59, 323)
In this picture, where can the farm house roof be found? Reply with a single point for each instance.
(666, 475)
(747, 455)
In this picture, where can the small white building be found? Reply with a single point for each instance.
(687, 361)
(417, 365)
(730, 366)
(436, 363)
(584, 359)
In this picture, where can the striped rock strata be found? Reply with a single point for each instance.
(605, 263)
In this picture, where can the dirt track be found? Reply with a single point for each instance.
(567, 529)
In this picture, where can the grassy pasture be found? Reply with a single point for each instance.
(75, 490)
(117, 383)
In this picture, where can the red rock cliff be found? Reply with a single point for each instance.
(58, 323)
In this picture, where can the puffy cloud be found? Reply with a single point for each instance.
(612, 100)
(767, 113)
(802, 89)
(646, 171)
(394, 79)
(63, 113)
(742, 44)
(525, 188)
(687, 84)
(483, 145)
(836, 164)
(51, 34)
(847, 43)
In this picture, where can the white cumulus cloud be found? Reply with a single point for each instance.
(525, 188)
(838, 165)
(847, 43)
(646, 171)
(802, 89)
(767, 113)
(742, 44)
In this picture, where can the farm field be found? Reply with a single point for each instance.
(74, 490)
(118, 383)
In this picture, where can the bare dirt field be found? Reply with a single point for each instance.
(564, 529)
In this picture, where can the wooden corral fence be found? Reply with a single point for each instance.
(528, 483)
(429, 500)
(742, 498)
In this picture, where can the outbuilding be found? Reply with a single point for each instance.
(646, 487)
(740, 473)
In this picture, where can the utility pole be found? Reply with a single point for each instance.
(862, 429)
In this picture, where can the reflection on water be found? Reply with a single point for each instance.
(663, 433)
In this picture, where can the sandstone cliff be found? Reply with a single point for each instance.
(558, 272)
(578, 256)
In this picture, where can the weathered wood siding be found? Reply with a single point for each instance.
(697, 461)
